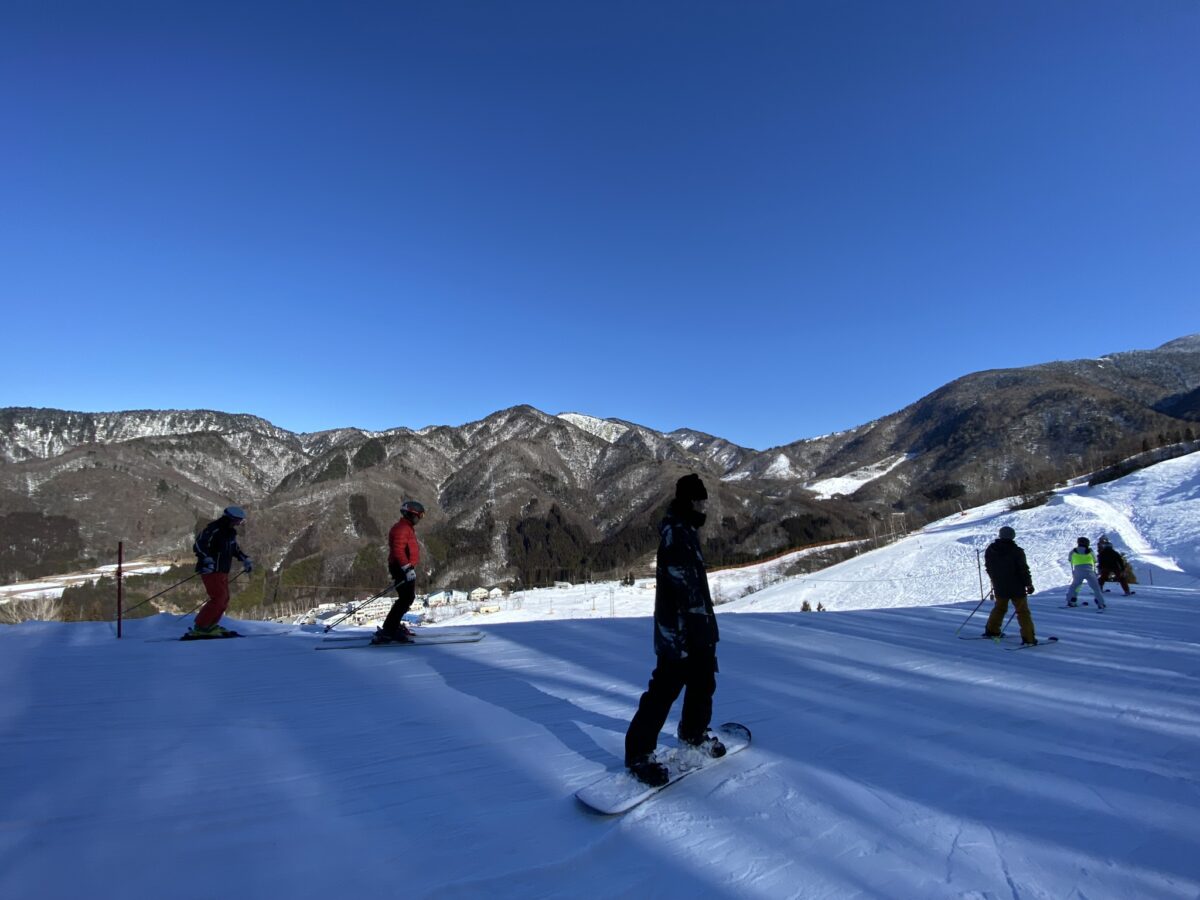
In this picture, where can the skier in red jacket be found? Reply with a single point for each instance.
(403, 555)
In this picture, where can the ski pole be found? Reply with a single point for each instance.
(975, 610)
(163, 591)
(344, 616)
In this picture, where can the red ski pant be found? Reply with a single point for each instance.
(217, 585)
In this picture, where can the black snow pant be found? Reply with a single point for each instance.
(406, 593)
(697, 677)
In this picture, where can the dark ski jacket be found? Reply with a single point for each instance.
(685, 624)
(1110, 560)
(1006, 566)
(218, 541)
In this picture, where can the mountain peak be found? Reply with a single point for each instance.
(1189, 342)
(605, 429)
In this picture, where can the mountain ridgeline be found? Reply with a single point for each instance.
(525, 498)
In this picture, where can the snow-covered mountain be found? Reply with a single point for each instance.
(889, 758)
(987, 433)
(525, 496)
(45, 433)
(488, 485)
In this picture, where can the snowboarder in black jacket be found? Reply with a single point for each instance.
(1009, 572)
(685, 640)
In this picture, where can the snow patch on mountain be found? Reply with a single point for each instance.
(780, 467)
(688, 440)
(601, 428)
(847, 484)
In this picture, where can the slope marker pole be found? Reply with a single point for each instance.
(120, 584)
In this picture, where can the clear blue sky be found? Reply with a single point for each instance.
(764, 220)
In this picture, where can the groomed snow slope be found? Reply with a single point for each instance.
(889, 760)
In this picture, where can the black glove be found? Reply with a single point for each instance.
(1029, 589)
(247, 565)
(410, 574)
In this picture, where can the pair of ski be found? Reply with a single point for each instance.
(418, 638)
(1042, 642)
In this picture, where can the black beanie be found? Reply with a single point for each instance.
(690, 487)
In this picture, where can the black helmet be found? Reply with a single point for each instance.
(413, 508)
(1007, 533)
(690, 487)
(1084, 542)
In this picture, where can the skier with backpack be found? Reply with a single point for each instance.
(216, 548)
(685, 640)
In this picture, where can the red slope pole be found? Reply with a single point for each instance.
(120, 593)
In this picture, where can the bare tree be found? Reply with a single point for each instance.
(41, 609)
